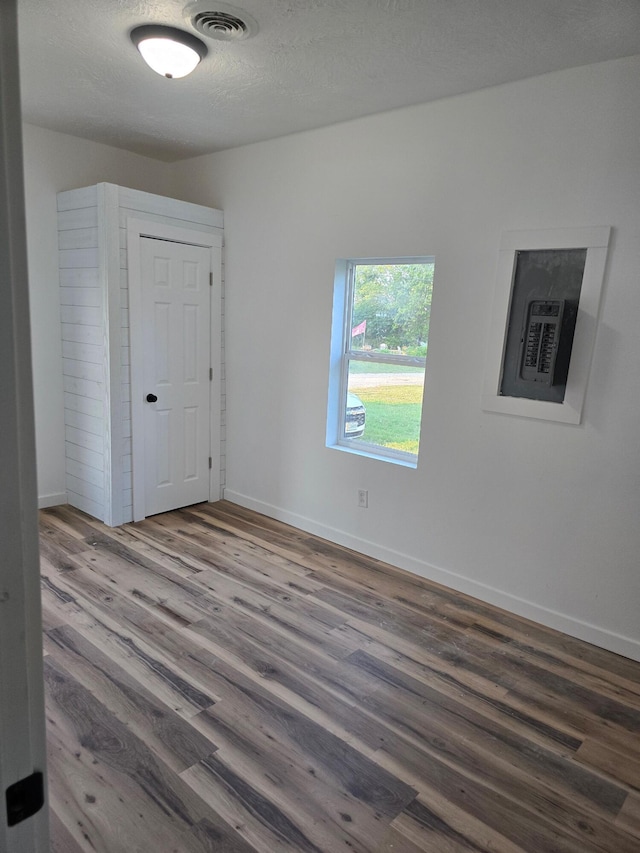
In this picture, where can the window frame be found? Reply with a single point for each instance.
(342, 354)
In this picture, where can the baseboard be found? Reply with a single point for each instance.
(52, 500)
(609, 640)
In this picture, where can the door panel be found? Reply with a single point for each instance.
(176, 332)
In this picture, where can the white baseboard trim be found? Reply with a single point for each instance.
(56, 499)
(618, 643)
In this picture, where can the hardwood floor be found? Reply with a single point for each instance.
(218, 681)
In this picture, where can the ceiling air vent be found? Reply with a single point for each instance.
(220, 21)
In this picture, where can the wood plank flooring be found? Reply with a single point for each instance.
(219, 681)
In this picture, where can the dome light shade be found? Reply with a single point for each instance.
(169, 51)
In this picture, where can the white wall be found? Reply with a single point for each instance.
(536, 516)
(55, 162)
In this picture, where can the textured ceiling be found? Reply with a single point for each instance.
(312, 63)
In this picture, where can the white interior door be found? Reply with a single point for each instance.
(176, 331)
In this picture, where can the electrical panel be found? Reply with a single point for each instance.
(545, 294)
(540, 340)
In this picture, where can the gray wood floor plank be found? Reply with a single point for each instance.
(219, 681)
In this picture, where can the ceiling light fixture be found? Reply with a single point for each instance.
(169, 51)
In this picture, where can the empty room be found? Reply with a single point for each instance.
(319, 528)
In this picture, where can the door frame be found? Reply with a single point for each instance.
(22, 729)
(136, 229)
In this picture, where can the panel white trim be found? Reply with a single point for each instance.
(74, 258)
(85, 472)
(86, 405)
(82, 387)
(136, 229)
(84, 488)
(83, 217)
(86, 353)
(80, 315)
(215, 474)
(81, 420)
(178, 221)
(85, 504)
(142, 202)
(83, 370)
(84, 439)
(82, 334)
(109, 253)
(78, 238)
(75, 199)
(81, 297)
(79, 277)
(618, 643)
(596, 242)
(92, 458)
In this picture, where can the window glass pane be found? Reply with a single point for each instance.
(391, 308)
(383, 348)
(384, 405)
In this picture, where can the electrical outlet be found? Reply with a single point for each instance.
(363, 498)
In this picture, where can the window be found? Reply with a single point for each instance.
(380, 332)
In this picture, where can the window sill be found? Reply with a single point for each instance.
(371, 454)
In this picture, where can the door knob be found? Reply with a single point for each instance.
(151, 398)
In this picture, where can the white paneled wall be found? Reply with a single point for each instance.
(82, 318)
(94, 297)
(223, 393)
